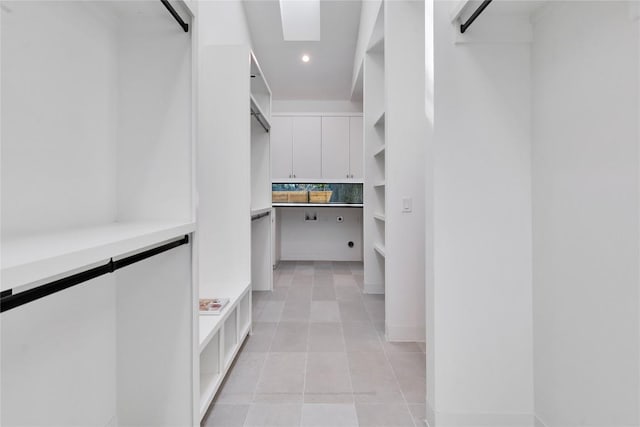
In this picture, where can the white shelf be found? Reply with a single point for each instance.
(380, 151)
(259, 211)
(379, 249)
(258, 83)
(377, 46)
(379, 185)
(379, 217)
(380, 120)
(318, 205)
(209, 323)
(27, 260)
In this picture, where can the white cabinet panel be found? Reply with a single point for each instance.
(335, 147)
(307, 152)
(281, 148)
(356, 155)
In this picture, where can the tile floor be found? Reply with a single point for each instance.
(317, 357)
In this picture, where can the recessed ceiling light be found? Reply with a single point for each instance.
(305, 58)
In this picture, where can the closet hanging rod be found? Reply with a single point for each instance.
(479, 10)
(9, 300)
(175, 15)
(258, 117)
(258, 216)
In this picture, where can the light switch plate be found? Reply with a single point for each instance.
(407, 204)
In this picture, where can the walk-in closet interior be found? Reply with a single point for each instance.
(253, 213)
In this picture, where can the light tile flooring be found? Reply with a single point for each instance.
(317, 357)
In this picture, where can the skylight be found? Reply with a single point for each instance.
(300, 20)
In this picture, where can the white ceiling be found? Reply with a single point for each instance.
(327, 76)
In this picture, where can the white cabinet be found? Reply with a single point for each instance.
(356, 155)
(307, 152)
(342, 154)
(281, 148)
(316, 148)
(335, 148)
(295, 148)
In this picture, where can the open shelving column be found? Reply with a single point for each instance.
(233, 185)
(261, 209)
(375, 161)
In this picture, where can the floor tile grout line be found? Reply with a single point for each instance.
(404, 397)
(268, 352)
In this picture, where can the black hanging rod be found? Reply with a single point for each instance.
(260, 120)
(175, 15)
(258, 216)
(479, 10)
(9, 300)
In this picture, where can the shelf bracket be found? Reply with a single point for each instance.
(175, 15)
(474, 16)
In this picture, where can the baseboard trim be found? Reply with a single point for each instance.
(479, 420)
(373, 288)
(405, 333)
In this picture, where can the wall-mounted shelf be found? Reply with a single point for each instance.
(29, 259)
(380, 151)
(379, 185)
(379, 217)
(318, 205)
(380, 120)
(379, 249)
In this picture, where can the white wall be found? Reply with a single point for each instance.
(86, 127)
(324, 240)
(585, 200)
(315, 106)
(406, 138)
(482, 320)
(222, 22)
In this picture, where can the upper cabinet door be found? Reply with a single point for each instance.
(356, 148)
(335, 148)
(307, 152)
(281, 148)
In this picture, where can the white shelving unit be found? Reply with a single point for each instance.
(375, 160)
(220, 339)
(261, 229)
(233, 176)
(97, 165)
